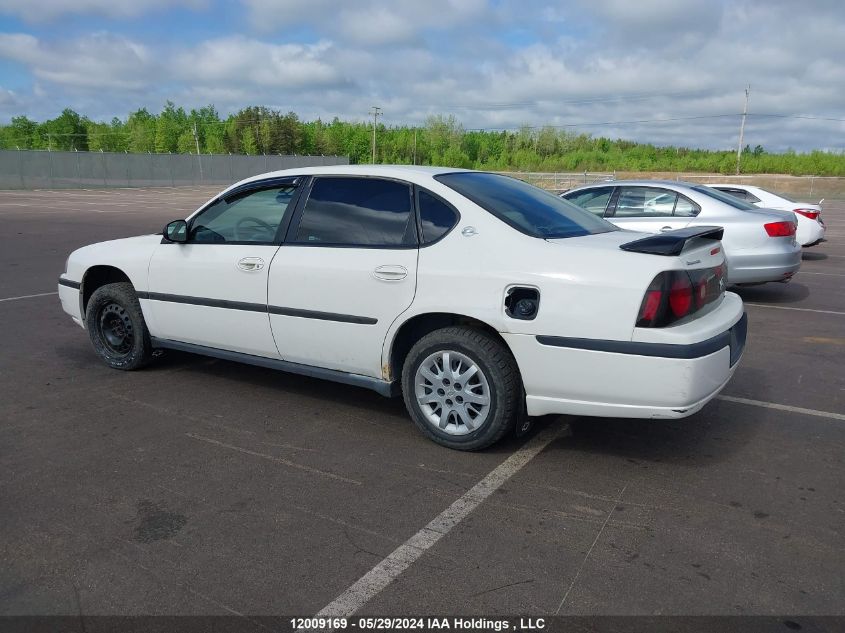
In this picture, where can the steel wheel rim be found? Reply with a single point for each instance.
(452, 392)
(116, 329)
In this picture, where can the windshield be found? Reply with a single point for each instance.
(526, 208)
(727, 198)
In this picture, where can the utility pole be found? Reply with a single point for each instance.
(199, 158)
(742, 129)
(376, 112)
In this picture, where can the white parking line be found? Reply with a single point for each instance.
(807, 272)
(783, 407)
(43, 294)
(763, 305)
(385, 572)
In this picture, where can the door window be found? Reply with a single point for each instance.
(593, 200)
(344, 211)
(252, 217)
(645, 202)
(436, 217)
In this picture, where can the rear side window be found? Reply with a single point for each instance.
(686, 208)
(346, 211)
(593, 200)
(436, 217)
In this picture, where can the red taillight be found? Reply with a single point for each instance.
(808, 213)
(780, 229)
(651, 305)
(680, 295)
(675, 294)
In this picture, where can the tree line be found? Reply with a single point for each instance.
(442, 140)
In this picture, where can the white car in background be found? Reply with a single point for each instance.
(478, 297)
(811, 227)
(759, 244)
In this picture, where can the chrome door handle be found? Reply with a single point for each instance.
(250, 264)
(390, 273)
(665, 228)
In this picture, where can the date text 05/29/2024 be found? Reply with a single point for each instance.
(419, 624)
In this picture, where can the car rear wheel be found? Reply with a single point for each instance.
(116, 326)
(462, 388)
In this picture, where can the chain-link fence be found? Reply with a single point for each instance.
(561, 181)
(28, 169)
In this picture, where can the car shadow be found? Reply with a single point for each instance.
(709, 437)
(791, 292)
(808, 256)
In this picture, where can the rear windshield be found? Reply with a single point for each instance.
(525, 207)
(727, 198)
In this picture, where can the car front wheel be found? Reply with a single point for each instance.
(462, 388)
(116, 325)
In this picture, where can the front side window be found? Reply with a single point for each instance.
(344, 211)
(436, 217)
(250, 217)
(644, 202)
(593, 200)
(525, 207)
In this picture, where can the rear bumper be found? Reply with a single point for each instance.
(754, 267)
(809, 232)
(625, 379)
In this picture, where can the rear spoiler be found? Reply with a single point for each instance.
(672, 242)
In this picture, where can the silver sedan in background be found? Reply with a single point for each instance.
(759, 244)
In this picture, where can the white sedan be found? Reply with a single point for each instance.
(476, 296)
(810, 230)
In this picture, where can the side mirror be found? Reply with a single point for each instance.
(176, 231)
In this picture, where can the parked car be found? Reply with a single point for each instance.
(476, 296)
(811, 227)
(759, 244)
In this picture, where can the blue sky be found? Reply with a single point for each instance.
(651, 70)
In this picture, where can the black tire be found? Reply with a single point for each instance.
(116, 326)
(496, 362)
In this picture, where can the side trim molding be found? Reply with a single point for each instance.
(323, 316)
(202, 301)
(257, 307)
(735, 337)
(384, 387)
(70, 284)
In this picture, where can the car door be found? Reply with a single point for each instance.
(212, 289)
(347, 269)
(651, 209)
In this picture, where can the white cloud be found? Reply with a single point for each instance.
(239, 60)
(46, 10)
(99, 60)
(366, 22)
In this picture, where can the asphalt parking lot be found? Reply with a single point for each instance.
(199, 486)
